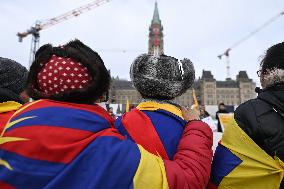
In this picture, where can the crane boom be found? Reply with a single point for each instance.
(40, 25)
(226, 53)
(258, 29)
(72, 13)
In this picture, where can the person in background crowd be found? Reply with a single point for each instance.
(221, 109)
(63, 140)
(13, 77)
(110, 111)
(157, 123)
(203, 112)
(262, 118)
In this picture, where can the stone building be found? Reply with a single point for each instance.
(230, 92)
(208, 91)
(121, 90)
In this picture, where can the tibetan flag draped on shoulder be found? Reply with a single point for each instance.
(49, 144)
(239, 163)
(155, 126)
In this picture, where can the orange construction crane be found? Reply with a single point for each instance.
(40, 25)
(227, 51)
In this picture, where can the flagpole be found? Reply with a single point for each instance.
(127, 105)
(195, 102)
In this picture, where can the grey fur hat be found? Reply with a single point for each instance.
(13, 76)
(161, 77)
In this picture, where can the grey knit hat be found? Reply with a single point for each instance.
(13, 76)
(161, 77)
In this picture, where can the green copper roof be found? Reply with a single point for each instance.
(156, 17)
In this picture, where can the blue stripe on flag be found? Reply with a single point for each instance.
(169, 127)
(106, 163)
(223, 163)
(27, 173)
(57, 116)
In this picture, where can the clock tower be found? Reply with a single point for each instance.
(156, 41)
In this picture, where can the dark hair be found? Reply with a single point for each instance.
(273, 58)
(80, 52)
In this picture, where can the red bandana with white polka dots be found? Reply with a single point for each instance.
(61, 75)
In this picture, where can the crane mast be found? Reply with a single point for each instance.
(34, 31)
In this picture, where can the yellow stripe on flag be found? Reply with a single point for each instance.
(6, 164)
(151, 172)
(258, 170)
(4, 140)
(152, 106)
(9, 106)
(10, 124)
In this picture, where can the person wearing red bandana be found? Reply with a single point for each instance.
(64, 140)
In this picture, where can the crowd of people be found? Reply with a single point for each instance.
(63, 138)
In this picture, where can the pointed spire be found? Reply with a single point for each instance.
(156, 17)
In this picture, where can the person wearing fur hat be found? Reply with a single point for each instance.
(64, 140)
(157, 122)
(263, 118)
(13, 77)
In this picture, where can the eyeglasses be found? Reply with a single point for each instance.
(258, 73)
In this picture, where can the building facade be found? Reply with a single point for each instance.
(208, 91)
(231, 92)
(123, 90)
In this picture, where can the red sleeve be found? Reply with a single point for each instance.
(191, 165)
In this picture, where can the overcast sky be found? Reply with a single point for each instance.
(195, 29)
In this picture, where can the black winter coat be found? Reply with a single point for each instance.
(263, 120)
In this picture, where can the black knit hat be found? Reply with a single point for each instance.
(274, 58)
(13, 77)
(79, 52)
(161, 77)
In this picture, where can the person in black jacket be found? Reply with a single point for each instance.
(221, 109)
(203, 112)
(263, 118)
